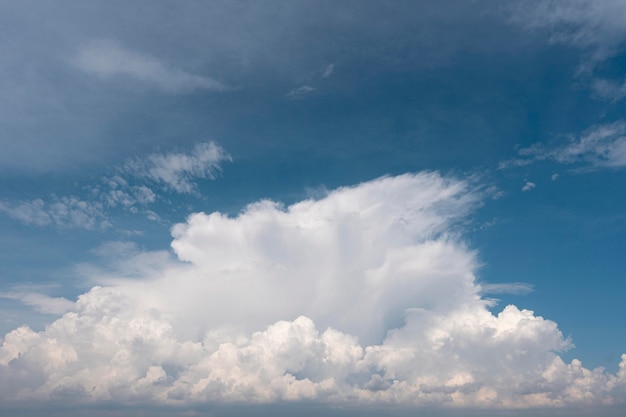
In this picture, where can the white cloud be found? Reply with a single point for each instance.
(106, 59)
(602, 146)
(517, 288)
(178, 170)
(63, 212)
(554, 177)
(364, 296)
(40, 302)
(609, 90)
(328, 71)
(300, 92)
(28, 212)
(126, 188)
(528, 186)
(596, 25)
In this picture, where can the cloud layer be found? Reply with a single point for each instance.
(365, 296)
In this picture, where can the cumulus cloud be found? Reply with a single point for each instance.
(107, 59)
(602, 146)
(366, 295)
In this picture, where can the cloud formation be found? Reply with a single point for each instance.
(40, 302)
(593, 25)
(176, 171)
(63, 212)
(107, 59)
(609, 90)
(300, 92)
(364, 296)
(132, 187)
(601, 146)
(528, 186)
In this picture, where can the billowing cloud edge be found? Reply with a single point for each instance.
(366, 296)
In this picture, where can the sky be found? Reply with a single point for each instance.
(225, 208)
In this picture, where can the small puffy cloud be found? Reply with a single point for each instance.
(107, 59)
(528, 186)
(300, 92)
(364, 296)
(602, 146)
(554, 177)
(177, 171)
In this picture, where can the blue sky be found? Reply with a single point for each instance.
(183, 183)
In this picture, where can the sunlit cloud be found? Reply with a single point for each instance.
(366, 295)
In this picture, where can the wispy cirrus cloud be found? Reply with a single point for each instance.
(597, 26)
(594, 27)
(300, 92)
(329, 70)
(609, 90)
(63, 212)
(601, 146)
(134, 186)
(177, 171)
(107, 59)
(516, 288)
(42, 303)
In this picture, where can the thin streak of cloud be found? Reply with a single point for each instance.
(300, 92)
(40, 302)
(515, 288)
(107, 59)
(177, 171)
(329, 70)
(601, 146)
(62, 212)
(609, 90)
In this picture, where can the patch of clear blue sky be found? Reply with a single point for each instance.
(452, 88)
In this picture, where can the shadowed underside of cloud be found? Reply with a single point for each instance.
(365, 296)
